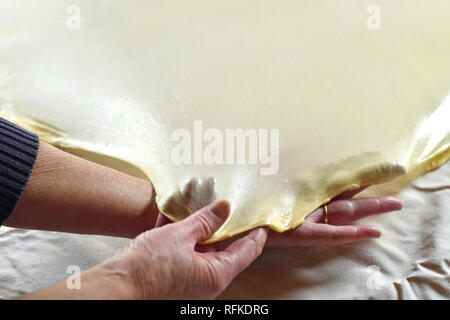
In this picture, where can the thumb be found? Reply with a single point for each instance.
(201, 225)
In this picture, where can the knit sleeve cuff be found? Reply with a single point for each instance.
(18, 153)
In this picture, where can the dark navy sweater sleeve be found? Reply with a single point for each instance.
(18, 153)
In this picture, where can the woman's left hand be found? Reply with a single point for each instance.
(341, 211)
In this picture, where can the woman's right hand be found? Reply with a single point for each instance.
(163, 263)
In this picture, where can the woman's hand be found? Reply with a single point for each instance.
(168, 263)
(341, 211)
(165, 263)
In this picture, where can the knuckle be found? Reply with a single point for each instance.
(203, 225)
(254, 247)
(378, 204)
(357, 232)
(347, 207)
(351, 208)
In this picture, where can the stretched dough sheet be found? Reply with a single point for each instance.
(275, 106)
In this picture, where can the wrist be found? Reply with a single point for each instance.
(121, 283)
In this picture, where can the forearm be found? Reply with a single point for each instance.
(70, 194)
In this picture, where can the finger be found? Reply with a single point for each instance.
(314, 234)
(351, 193)
(162, 220)
(342, 212)
(241, 253)
(324, 234)
(201, 225)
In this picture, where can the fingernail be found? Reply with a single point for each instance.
(220, 209)
(394, 203)
(374, 232)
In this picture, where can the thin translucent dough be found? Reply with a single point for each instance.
(353, 104)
